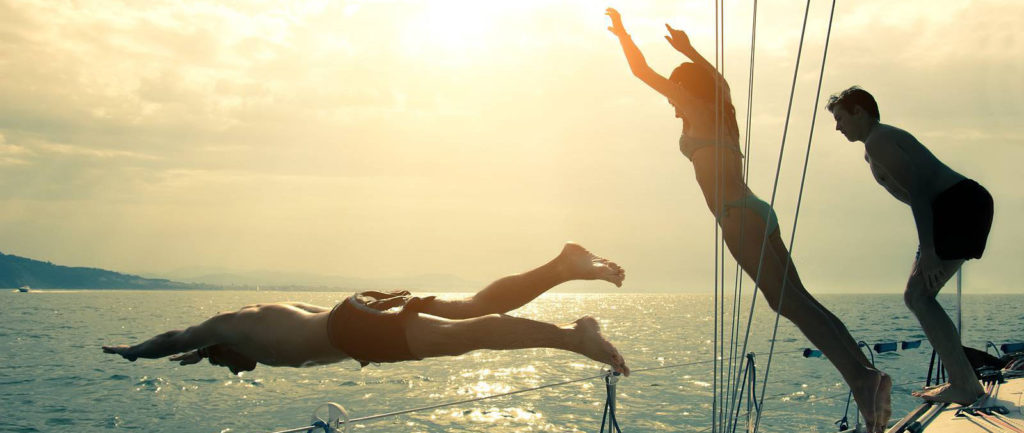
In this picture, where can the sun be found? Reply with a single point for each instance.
(458, 22)
(459, 28)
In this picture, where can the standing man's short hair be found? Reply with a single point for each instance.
(853, 97)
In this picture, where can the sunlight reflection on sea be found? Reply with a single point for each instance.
(52, 373)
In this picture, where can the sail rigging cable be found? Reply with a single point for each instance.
(803, 179)
(605, 374)
(550, 385)
(720, 381)
(733, 398)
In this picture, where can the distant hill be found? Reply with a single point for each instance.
(18, 271)
(277, 280)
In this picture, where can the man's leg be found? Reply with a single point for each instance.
(430, 337)
(514, 291)
(963, 386)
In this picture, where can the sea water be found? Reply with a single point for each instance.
(54, 377)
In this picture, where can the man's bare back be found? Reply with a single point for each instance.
(899, 162)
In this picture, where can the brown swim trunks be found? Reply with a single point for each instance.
(367, 328)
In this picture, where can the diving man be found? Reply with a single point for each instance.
(365, 327)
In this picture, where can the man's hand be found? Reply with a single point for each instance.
(929, 266)
(218, 355)
(187, 358)
(124, 351)
(617, 28)
(679, 40)
(383, 301)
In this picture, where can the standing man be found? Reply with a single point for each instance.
(953, 215)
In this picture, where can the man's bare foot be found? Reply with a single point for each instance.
(946, 393)
(122, 350)
(873, 399)
(594, 346)
(576, 263)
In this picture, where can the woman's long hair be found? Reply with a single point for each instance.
(701, 84)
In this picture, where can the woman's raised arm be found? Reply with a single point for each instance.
(638, 65)
(681, 42)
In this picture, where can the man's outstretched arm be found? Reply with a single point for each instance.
(177, 341)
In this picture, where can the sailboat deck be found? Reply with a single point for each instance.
(1000, 412)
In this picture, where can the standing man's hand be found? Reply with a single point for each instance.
(929, 266)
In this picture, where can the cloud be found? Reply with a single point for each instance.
(12, 154)
(345, 132)
(71, 150)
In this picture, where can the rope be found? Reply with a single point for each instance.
(471, 400)
(605, 375)
(453, 403)
(609, 404)
(751, 372)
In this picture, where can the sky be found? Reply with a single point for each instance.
(377, 139)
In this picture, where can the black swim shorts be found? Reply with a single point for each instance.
(367, 328)
(963, 217)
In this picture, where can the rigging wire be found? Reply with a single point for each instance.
(510, 393)
(803, 177)
(719, 236)
(733, 399)
(567, 382)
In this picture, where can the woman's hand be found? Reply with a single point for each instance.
(617, 28)
(679, 40)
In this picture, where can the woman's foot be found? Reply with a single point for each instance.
(593, 345)
(576, 263)
(873, 399)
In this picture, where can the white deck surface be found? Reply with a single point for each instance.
(939, 419)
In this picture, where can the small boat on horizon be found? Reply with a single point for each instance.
(24, 289)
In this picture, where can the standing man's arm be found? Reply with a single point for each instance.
(887, 151)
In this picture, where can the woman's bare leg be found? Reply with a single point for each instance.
(514, 291)
(870, 386)
(430, 337)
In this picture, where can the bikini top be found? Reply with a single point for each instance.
(688, 145)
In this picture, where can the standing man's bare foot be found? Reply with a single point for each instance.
(576, 263)
(593, 345)
(874, 400)
(946, 393)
